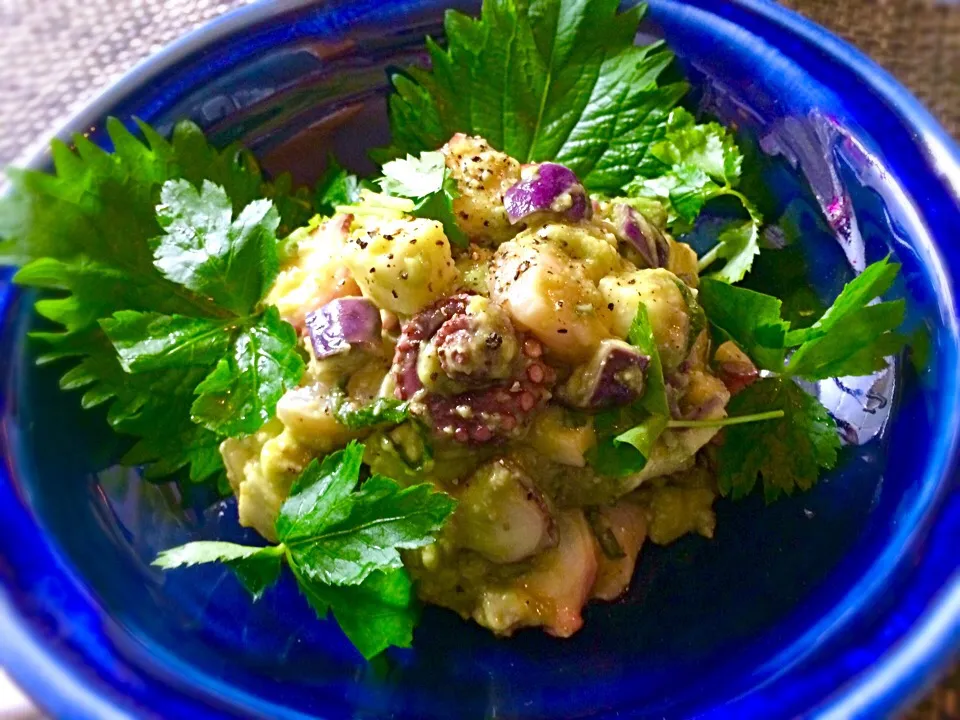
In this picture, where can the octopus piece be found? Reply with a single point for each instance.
(624, 527)
(469, 373)
(553, 592)
(503, 515)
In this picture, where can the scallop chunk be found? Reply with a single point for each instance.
(666, 307)
(548, 293)
(402, 265)
(553, 592)
(483, 175)
(594, 249)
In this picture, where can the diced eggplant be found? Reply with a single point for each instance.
(633, 228)
(502, 515)
(614, 376)
(549, 189)
(342, 324)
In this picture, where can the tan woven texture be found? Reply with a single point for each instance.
(56, 54)
(917, 40)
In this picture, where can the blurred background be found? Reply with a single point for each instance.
(57, 54)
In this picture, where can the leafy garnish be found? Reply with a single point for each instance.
(341, 539)
(787, 453)
(336, 187)
(241, 392)
(382, 411)
(557, 80)
(751, 319)
(853, 337)
(625, 436)
(640, 335)
(686, 167)
(427, 182)
(90, 232)
(232, 262)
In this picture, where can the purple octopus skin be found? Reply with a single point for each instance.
(342, 324)
(547, 185)
(494, 408)
(633, 228)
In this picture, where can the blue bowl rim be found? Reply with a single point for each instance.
(897, 675)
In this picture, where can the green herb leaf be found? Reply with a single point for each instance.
(426, 181)
(234, 262)
(855, 335)
(150, 341)
(344, 536)
(751, 319)
(378, 613)
(242, 391)
(382, 411)
(640, 335)
(257, 568)
(738, 244)
(335, 187)
(787, 453)
(690, 165)
(610, 457)
(341, 539)
(644, 436)
(557, 80)
(88, 232)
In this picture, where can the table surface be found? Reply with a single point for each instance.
(56, 54)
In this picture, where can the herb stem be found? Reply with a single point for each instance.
(723, 422)
(711, 256)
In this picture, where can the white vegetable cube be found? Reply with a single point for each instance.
(666, 308)
(483, 175)
(402, 265)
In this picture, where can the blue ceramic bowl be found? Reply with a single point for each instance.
(841, 602)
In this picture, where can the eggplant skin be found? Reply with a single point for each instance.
(615, 376)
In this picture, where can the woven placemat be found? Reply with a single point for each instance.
(56, 54)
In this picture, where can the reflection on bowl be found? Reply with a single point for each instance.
(809, 605)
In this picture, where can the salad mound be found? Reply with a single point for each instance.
(484, 377)
(502, 350)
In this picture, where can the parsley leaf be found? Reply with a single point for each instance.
(854, 337)
(257, 568)
(689, 165)
(242, 391)
(233, 262)
(348, 535)
(151, 341)
(787, 453)
(340, 539)
(382, 411)
(427, 181)
(625, 436)
(640, 335)
(335, 187)
(378, 613)
(557, 80)
(751, 319)
(89, 231)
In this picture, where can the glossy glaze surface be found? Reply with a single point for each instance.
(808, 605)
